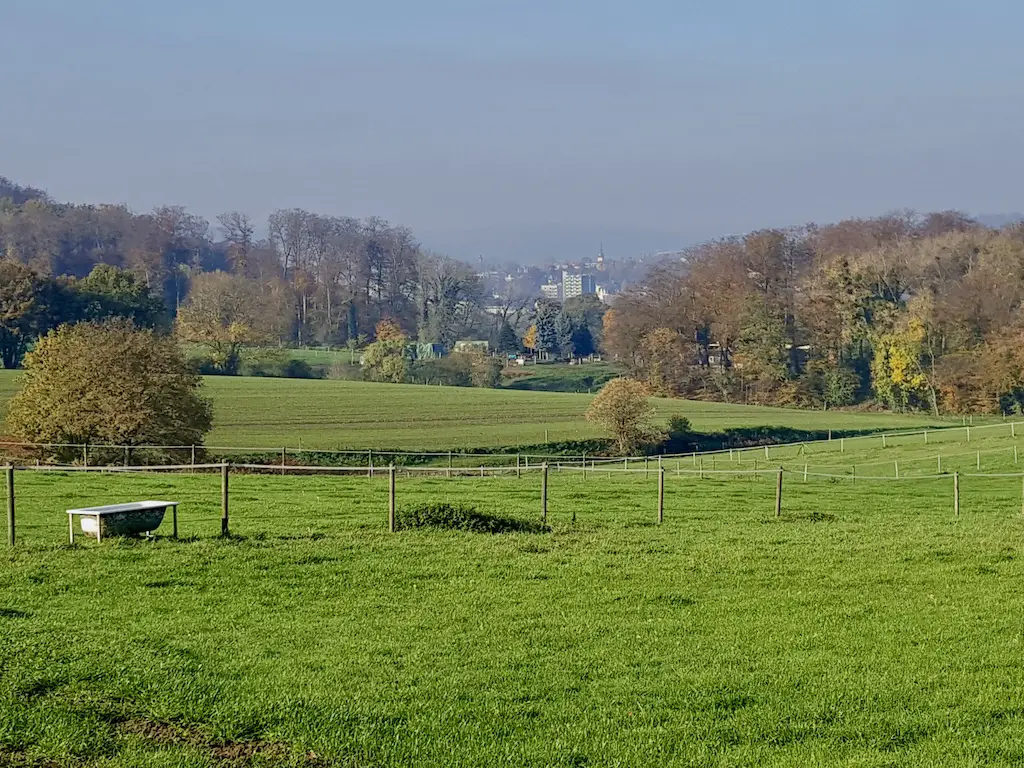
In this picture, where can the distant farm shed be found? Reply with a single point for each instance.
(471, 345)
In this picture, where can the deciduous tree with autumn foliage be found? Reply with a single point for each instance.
(908, 311)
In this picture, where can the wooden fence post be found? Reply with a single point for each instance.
(369, 463)
(968, 434)
(778, 494)
(956, 494)
(939, 459)
(391, 499)
(883, 439)
(224, 469)
(10, 505)
(544, 493)
(284, 458)
(85, 455)
(450, 462)
(896, 466)
(926, 437)
(978, 465)
(519, 469)
(842, 445)
(193, 459)
(661, 496)
(805, 473)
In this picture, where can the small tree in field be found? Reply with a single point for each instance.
(386, 359)
(622, 407)
(108, 383)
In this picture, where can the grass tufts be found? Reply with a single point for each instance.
(459, 517)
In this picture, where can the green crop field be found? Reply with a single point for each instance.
(269, 413)
(866, 627)
(562, 377)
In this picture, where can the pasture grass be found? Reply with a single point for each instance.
(995, 448)
(271, 413)
(867, 627)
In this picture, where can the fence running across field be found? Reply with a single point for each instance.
(776, 475)
(289, 456)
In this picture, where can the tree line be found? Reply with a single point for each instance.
(905, 311)
(321, 279)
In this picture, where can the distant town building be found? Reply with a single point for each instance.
(551, 291)
(577, 285)
(572, 285)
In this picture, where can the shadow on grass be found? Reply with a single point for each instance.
(456, 517)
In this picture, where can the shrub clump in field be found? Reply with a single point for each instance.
(457, 517)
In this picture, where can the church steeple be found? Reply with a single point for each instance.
(600, 258)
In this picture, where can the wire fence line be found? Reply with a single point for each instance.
(109, 453)
(207, 498)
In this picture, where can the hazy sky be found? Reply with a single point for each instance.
(500, 125)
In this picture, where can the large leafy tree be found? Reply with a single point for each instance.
(110, 383)
(22, 308)
(449, 294)
(228, 312)
(587, 312)
(112, 292)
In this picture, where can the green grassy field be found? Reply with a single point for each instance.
(562, 377)
(269, 413)
(985, 449)
(868, 627)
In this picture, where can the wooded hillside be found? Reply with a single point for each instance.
(910, 311)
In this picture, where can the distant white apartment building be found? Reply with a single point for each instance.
(551, 291)
(575, 284)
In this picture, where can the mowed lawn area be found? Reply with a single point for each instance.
(270, 413)
(867, 627)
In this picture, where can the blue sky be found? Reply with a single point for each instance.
(505, 127)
